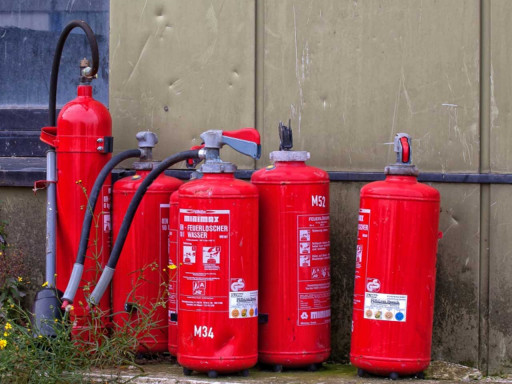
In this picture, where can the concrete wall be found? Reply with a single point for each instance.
(22, 219)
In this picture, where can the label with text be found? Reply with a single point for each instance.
(243, 304)
(385, 307)
(204, 260)
(313, 264)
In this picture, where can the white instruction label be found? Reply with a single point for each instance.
(243, 304)
(385, 307)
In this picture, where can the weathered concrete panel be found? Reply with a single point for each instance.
(500, 283)
(351, 74)
(179, 68)
(455, 335)
(23, 216)
(501, 86)
(344, 208)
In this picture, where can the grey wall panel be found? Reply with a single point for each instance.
(455, 336)
(180, 68)
(500, 267)
(501, 86)
(351, 74)
(344, 208)
(22, 215)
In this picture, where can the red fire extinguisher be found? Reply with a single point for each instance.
(83, 143)
(218, 262)
(395, 271)
(140, 283)
(294, 282)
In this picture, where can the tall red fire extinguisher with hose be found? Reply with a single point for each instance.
(81, 138)
(140, 284)
(294, 283)
(218, 262)
(395, 271)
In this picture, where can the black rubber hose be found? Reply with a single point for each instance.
(137, 198)
(108, 272)
(76, 273)
(93, 198)
(52, 104)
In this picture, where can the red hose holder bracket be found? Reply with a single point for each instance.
(41, 184)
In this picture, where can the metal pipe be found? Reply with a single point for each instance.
(51, 217)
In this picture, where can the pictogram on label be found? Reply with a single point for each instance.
(372, 285)
(385, 307)
(313, 247)
(204, 260)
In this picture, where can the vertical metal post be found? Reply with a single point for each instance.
(51, 218)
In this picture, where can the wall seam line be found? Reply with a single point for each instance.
(485, 190)
(259, 68)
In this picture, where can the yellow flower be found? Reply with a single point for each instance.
(40, 336)
(3, 343)
(20, 279)
(44, 284)
(6, 334)
(8, 326)
(172, 266)
(56, 320)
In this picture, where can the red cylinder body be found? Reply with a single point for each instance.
(173, 274)
(218, 274)
(83, 125)
(395, 276)
(294, 282)
(140, 282)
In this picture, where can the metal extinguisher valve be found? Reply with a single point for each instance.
(146, 141)
(285, 136)
(285, 152)
(245, 141)
(403, 150)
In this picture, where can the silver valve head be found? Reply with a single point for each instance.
(146, 141)
(245, 141)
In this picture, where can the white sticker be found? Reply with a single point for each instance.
(385, 307)
(243, 304)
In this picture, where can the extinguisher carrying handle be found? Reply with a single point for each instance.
(246, 141)
(109, 270)
(402, 147)
(76, 273)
